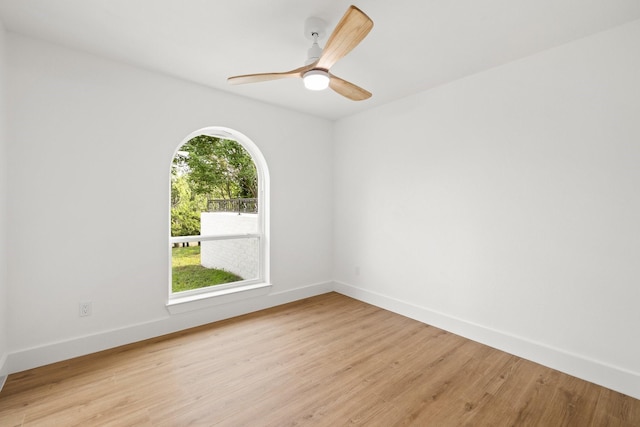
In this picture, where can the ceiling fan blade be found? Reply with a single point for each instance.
(264, 77)
(348, 90)
(350, 31)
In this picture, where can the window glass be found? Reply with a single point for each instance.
(217, 225)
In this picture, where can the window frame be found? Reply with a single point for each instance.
(217, 294)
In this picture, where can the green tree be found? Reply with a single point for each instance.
(217, 167)
(208, 167)
(185, 207)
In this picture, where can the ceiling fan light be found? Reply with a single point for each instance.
(316, 80)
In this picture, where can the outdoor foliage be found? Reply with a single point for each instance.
(217, 167)
(189, 274)
(186, 206)
(207, 168)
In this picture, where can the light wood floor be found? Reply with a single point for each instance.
(324, 361)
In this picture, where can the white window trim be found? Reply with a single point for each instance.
(221, 294)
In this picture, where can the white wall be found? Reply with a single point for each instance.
(238, 256)
(4, 347)
(506, 206)
(91, 142)
(502, 206)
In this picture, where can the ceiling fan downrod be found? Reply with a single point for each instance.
(314, 52)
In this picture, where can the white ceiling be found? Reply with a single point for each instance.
(414, 45)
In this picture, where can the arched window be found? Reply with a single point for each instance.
(219, 217)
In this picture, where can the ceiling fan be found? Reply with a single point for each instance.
(350, 31)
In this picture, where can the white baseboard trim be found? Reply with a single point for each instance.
(22, 360)
(594, 371)
(612, 377)
(4, 372)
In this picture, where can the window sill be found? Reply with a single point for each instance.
(196, 302)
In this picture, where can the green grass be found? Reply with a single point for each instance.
(189, 274)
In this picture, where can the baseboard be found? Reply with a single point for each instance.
(3, 370)
(612, 377)
(58, 351)
(594, 371)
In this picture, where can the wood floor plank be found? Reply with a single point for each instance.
(324, 361)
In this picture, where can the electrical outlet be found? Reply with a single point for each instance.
(85, 309)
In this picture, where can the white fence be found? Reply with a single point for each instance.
(238, 256)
